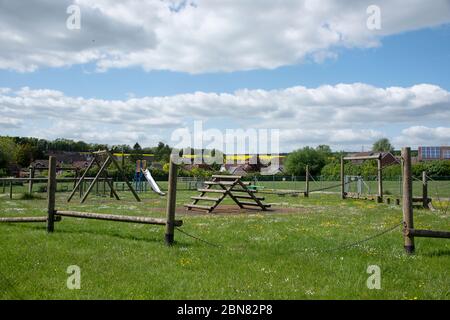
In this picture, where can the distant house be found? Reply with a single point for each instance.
(234, 169)
(272, 170)
(433, 153)
(80, 164)
(67, 157)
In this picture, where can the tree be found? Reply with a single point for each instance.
(382, 145)
(25, 154)
(136, 154)
(162, 152)
(296, 161)
(324, 149)
(8, 149)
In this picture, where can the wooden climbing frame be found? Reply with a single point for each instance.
(96, 159)
(231, 186)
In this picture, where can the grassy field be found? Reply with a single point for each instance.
(282, 254)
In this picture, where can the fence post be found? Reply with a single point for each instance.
(307, 182)
(408, 222)
(342, 179)
(10, 189)
(424, 189)
(380, 181)
(51, 193)
(171, 203)
(30, 182)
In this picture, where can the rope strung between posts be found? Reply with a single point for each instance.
(330, 187)
(343, 246)
(359, 242)
(199, 239)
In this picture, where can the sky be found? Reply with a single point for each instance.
(342, 73)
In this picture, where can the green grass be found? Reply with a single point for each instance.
(263, 255)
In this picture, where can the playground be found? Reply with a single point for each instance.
(313, 247)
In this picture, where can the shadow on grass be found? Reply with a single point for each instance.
(438, 253)
(113, 234)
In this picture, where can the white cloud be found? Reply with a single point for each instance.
(422, 135)
(344, 115)
(198, 36)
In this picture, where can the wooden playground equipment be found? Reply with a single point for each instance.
(231, 186)
(102, 159)
(379, 158)
(424, 201)
(54, 215)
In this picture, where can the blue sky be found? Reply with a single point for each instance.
(140, 75)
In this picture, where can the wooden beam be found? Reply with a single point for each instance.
(26, 219)
(428, 233)
(226, 177)
(374, 157)
(116, 218)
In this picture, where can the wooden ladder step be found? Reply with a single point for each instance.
(242, 190)
(205, 198)
(249, 197)
(196, 206)
(211, 190)
(225, 183)
(227, 177)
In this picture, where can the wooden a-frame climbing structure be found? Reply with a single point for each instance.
(97, 159)
(231, 186)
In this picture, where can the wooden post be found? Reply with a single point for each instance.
(4, 186)
(380, 181)
(408, 222)
(30, 182)
(342, 179)
(307, 182)
(51, 193)
(77, 173)
(424, 190)
(171, 203)
(10, 189)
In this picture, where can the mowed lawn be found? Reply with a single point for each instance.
(286, 254)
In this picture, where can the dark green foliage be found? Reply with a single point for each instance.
(383, 145)
(296, 161)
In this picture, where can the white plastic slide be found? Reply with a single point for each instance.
(152, 182)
